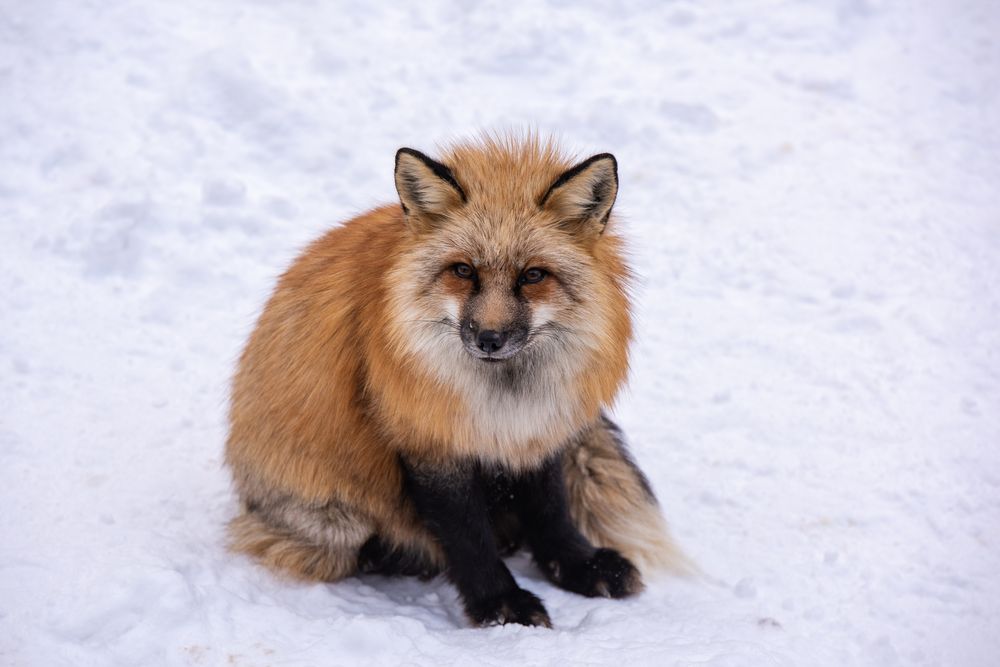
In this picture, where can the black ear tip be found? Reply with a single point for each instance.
(609, 157)
(434, 165)
(406, 151)
(594, 159)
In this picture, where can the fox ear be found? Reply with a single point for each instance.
(427, 189)
(582, 197)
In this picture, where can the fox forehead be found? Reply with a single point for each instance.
(504, 241)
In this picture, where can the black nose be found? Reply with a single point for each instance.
(490, 340)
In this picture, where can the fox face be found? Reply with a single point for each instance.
(495, 318)
(506, 296)
(503, 245)
(507, 299)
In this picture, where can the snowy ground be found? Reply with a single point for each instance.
(812, 191)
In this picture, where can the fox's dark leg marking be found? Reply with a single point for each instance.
(563, 554)
(454, 506)
(379, 557)
(507, 529)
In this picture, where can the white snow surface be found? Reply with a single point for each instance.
(812, 195)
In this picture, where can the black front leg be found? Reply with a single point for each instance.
(563, 554)
(452, 502)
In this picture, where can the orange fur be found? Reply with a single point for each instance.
(349, 364)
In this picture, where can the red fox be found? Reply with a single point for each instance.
(426, 389)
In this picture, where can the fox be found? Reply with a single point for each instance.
(427, 389)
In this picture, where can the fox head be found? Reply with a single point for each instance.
(510, 265)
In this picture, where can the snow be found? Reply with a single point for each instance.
(811, 194)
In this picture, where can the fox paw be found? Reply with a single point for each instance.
(516, 606)
(606, 573)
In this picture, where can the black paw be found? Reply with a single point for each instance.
(606, 573)
(515, 606)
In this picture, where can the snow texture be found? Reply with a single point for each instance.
(811, 194)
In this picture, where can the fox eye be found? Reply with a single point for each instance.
(463, 271)
(532, 276)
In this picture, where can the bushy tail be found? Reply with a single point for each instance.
(310, 543)
(612, 504)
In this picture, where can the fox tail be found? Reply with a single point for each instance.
(613, 505)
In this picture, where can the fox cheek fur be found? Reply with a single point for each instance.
(425, 389)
